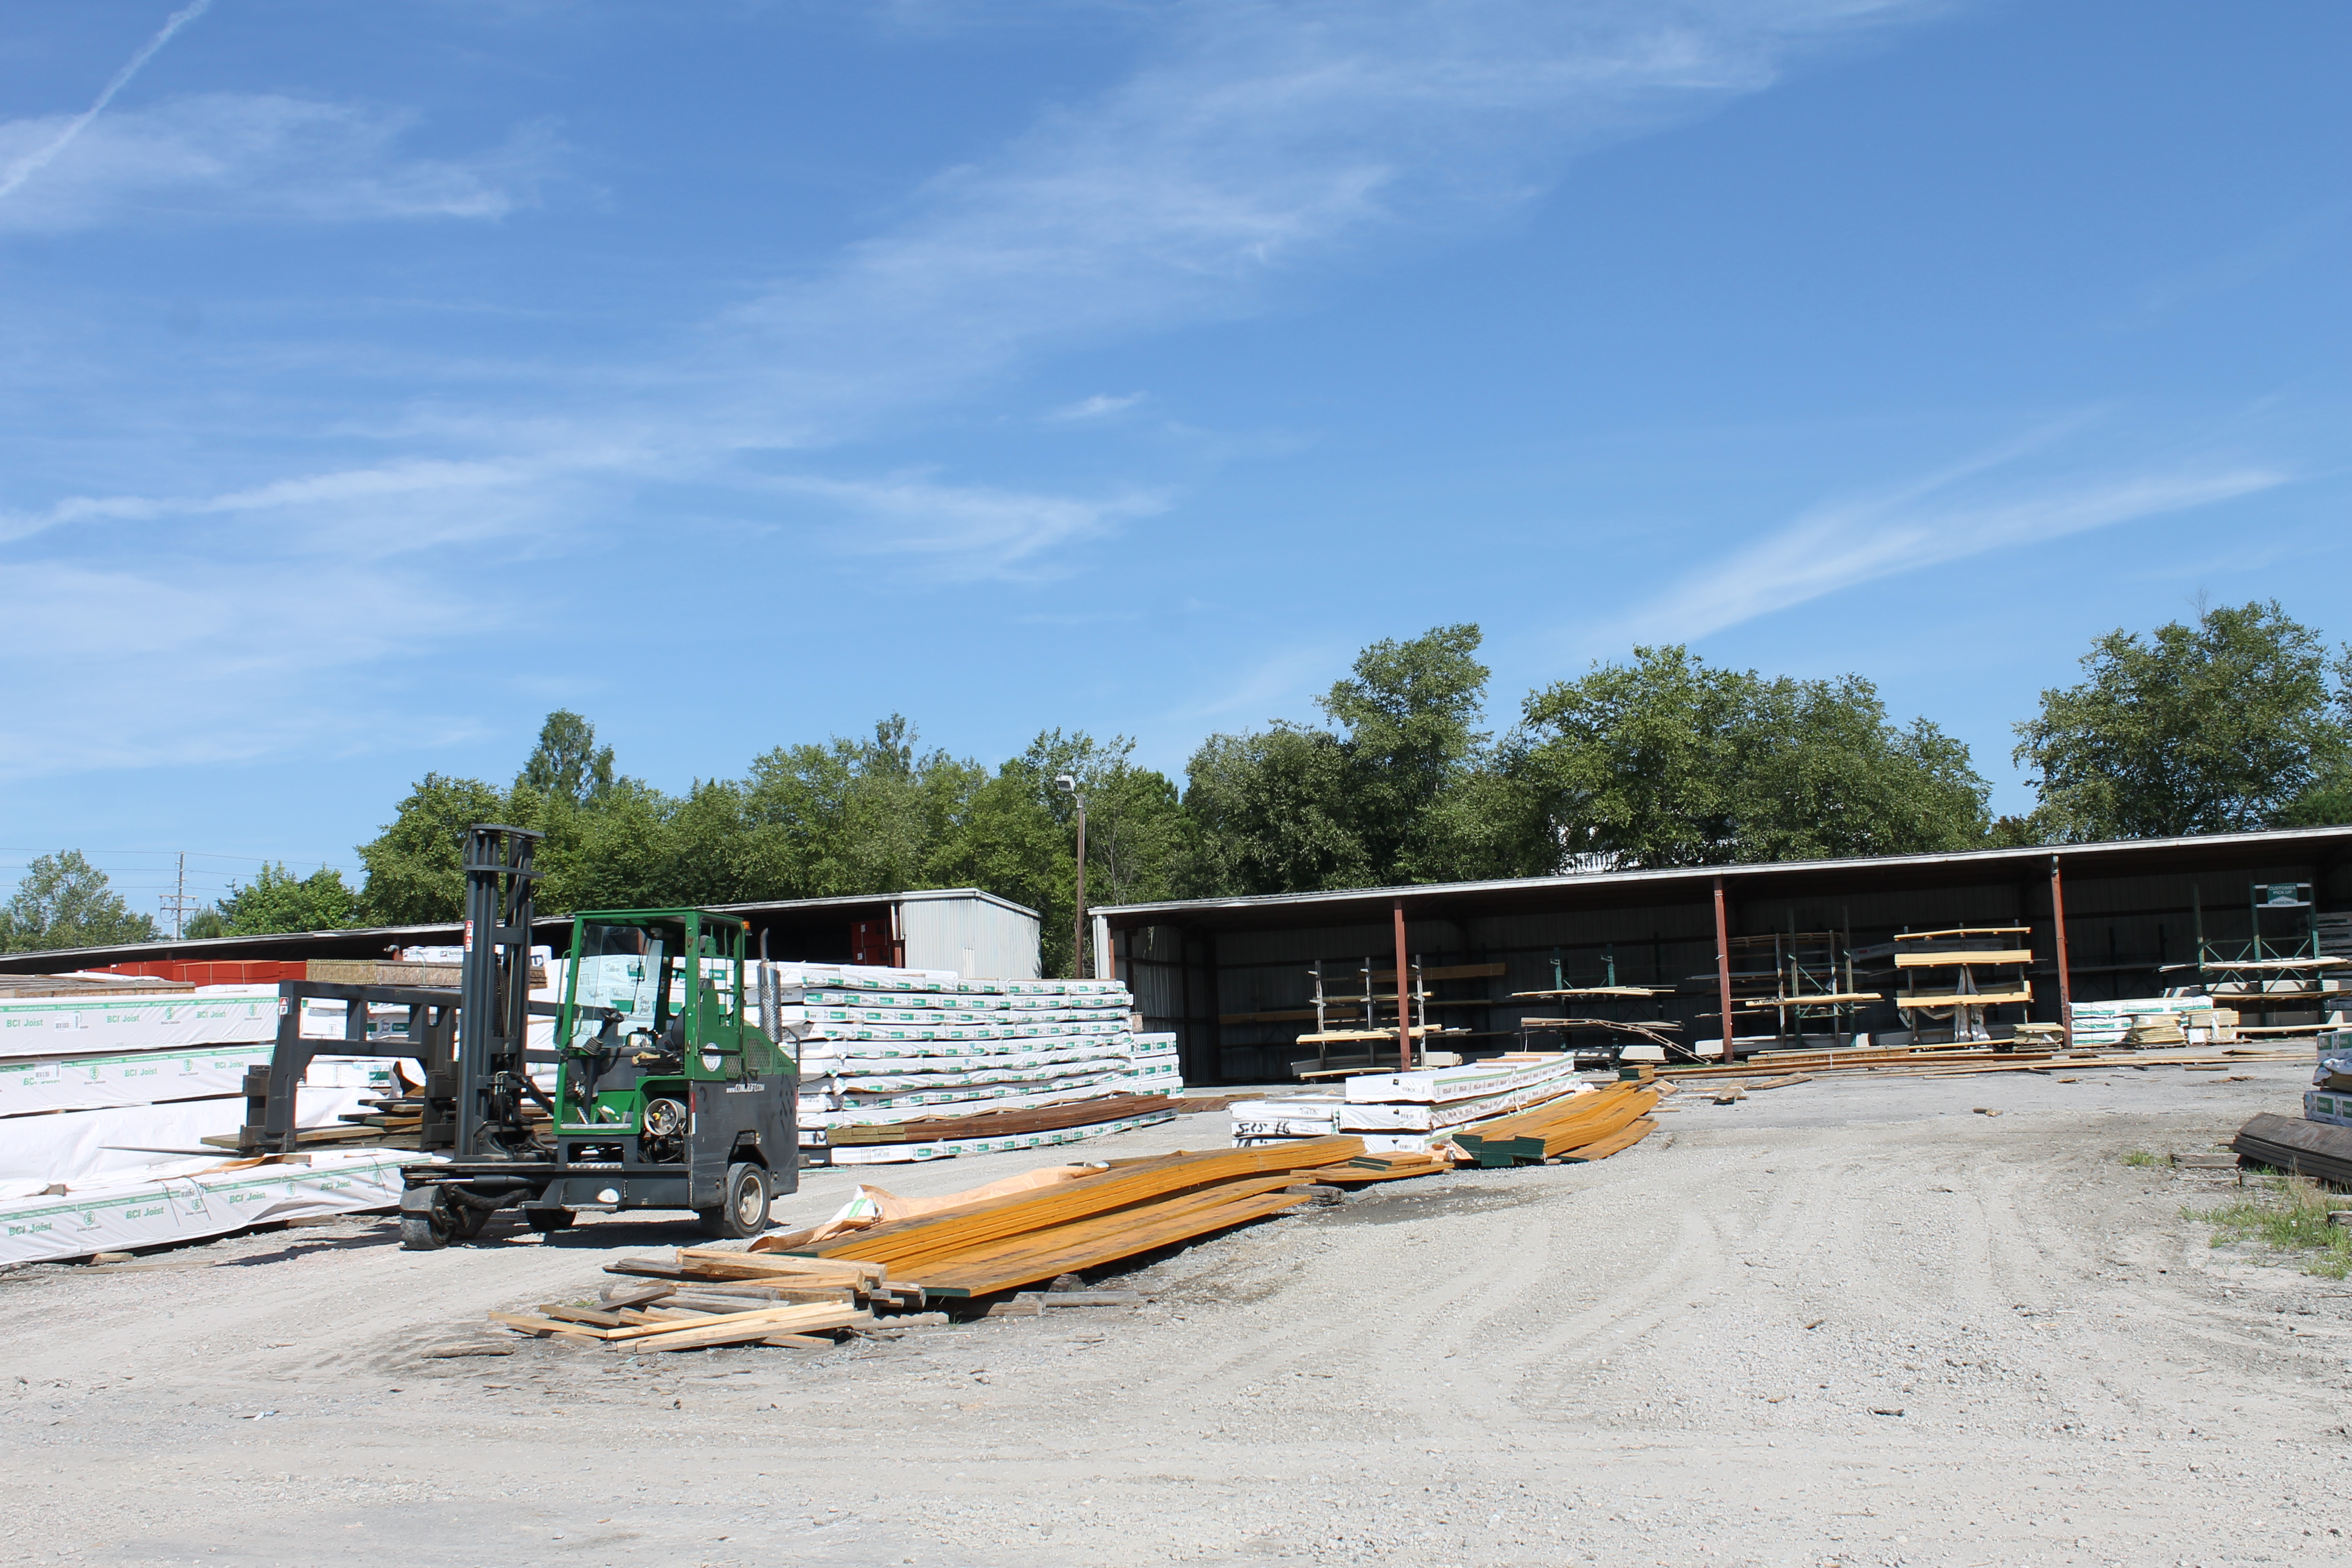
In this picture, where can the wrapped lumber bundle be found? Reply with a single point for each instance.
(2152, 1022)
(118, 1212)
(1408, 1112)
(907, 1064)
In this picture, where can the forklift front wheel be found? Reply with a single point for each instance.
(745, 1212)
(419, 1234)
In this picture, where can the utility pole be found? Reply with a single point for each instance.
(175, 903)
(1069, 786)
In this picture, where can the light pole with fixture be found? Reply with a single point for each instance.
(1069, 786)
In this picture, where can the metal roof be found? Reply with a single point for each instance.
(371, 942)
(2322, 845)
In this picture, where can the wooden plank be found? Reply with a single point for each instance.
(770, 1266)
(1597, 991)
(1615, 1143)
(1964, 931)
(1966, 999)
(617, 1297)
(1973, 955)
(765, 1321)
(544, 1328)
(593, 1317)
(735, 1329)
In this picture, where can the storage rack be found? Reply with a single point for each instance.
(1987, 970)
(2282, 966)
(1799, 977)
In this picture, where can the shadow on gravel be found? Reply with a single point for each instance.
(1400, 1208)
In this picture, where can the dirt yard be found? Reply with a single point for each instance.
(1850, 1322)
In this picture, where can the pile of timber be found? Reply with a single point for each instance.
(708, 1297)
(1572, 1128)
(909, 1064)
(2300, 1148)
(995, 1124)
(1949, 1062)
(1410, 1111)
(1125, 1209)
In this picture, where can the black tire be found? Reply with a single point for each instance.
(548, 1221)
(423, 1233)
(745, 1211)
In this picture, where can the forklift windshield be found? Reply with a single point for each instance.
(620, 967)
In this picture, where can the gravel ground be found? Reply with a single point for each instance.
(1842, 1322)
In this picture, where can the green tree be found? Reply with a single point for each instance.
(1270, 815)
(64, 901)
(1671, 762)
(2235, 722)
(277, 900)
(1016, 834)
(567, 762)
(1410, 712)
(415, 866)
(1406, 789)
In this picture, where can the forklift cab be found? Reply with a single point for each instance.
(663, 1080)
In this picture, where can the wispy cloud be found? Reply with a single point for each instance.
(1254, 149)
(1969, 508)
(245, 155)
(1260, 141)
(1101, 406)
(45, 151)
(989, 531)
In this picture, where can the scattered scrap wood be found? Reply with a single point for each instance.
(1783, 1081)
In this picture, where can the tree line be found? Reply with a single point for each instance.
(2239, 719)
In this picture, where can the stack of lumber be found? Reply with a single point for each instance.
(1573, 1128)
(908, 1064)
(129, 1083)
(2301, 1148)
(97, 984)
(708, 1297)
(2154, 1021)
(1002, 1243)
(1405, 1112)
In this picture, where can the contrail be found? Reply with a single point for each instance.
(33, 162)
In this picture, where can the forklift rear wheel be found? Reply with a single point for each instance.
(745, 1212)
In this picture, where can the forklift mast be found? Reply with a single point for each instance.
(494, 993)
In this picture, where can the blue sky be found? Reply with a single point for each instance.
(377, 377)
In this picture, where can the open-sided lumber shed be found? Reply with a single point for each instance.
(1230, 977)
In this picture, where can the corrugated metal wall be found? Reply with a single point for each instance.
(975, 938)
(2121, 930)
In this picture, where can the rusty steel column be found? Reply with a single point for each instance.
(2066, 982)
(1404, 1013)
(1723, 966)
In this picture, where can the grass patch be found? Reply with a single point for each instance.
(2287, 1215)
(2139, 1157)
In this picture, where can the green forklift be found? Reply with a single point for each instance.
(674, 1087)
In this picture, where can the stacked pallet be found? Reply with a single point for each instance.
(907, 1064)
